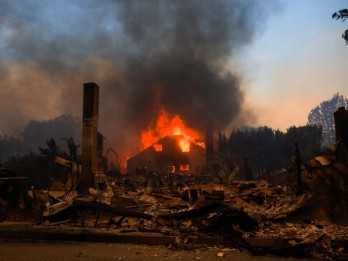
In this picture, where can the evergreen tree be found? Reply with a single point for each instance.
(267, 149)
(322, 115)
(36, 133)
(11, 145)
(60, 128)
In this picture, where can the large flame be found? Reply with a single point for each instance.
(169, 125)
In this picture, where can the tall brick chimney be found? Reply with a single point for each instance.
(341, 125)
(89, 158)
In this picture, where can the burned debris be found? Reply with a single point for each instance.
(179, 188)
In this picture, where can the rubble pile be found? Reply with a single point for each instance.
(300, 239)
(326, 178)
(253, 215)
(235, 213)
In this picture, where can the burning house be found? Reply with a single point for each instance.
(175, 151)
(168, 142)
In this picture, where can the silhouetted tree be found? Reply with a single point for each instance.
(342, 15)
(51, 151)
(322, 115)
(39, 168)
(308, 139)
(10, 145)
(256, 144)
(267, 149)
(33, 166)
(37, 132)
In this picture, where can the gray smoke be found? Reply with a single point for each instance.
(142, 53)
(181, 49)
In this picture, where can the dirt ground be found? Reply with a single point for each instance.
(97, 251)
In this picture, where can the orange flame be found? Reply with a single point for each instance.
(184, 167)
(169, 125)
(184, 144)
(157, 147)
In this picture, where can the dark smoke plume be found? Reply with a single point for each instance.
(142, 54)
(181, 49)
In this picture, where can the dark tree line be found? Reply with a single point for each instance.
(32, 153)
(268, 150)
(61, 128)
(36, 134)
(12, 146)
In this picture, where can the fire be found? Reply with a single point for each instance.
(169, 125)
(184, 167)
(157, 147)
(184, 145)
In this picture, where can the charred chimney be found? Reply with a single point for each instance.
(89, 159)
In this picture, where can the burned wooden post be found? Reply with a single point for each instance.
(89, 159)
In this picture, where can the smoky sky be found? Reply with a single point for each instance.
(143, 54)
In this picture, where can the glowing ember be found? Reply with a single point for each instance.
(184, 167)
(169, 125)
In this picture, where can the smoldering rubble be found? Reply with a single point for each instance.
(253, 215)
